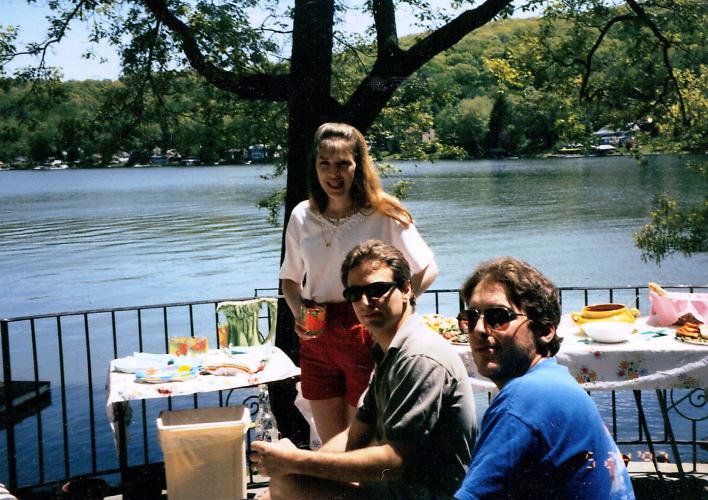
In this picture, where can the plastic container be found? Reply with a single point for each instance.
(205, 452)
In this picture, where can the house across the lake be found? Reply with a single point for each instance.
(617, 138)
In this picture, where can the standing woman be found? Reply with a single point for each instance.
(347, 205)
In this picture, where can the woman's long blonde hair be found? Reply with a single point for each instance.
(366, 190)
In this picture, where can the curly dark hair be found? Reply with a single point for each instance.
(527, 289)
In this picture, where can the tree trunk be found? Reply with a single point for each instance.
(309, 105)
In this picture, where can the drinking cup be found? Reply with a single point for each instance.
(198, 345)
(179, 346)
(223, 335)
(315, 318)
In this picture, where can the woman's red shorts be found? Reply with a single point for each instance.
(338, 363)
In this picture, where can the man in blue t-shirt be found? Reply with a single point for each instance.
(542, 436)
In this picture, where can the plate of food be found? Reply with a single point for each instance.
(249, 360)
(693, 333)
(447, 327)
(689, 340)
(461, 339)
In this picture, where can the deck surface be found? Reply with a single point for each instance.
(643, 476)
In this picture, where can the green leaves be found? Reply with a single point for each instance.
(8, 34)
(673, 228)
(273, 204)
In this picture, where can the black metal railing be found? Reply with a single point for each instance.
(55, 366)
(68, 353)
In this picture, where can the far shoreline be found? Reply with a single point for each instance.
(544, 156)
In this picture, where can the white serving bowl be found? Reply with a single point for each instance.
(608, 332)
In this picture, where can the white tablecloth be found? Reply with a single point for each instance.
(123, 387)
(649, 360)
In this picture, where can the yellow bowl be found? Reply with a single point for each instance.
(605, 312)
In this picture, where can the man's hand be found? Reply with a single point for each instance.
(274, 459)
(371, 463)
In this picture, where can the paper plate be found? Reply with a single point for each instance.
(132, 365)
(171, 373)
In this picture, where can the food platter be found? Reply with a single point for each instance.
(692, 333)
(692, 340)
(446, 327)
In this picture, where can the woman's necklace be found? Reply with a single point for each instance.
(328, 234)
(329, 231)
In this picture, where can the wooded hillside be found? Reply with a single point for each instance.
(511, 88)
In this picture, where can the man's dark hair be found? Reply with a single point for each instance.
(527, 289)
(378, 251)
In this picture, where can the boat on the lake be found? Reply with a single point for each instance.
(605, 149)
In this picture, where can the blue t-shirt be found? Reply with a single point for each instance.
(542, 437)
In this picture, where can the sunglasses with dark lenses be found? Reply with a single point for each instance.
(496, 318)
(372, 290)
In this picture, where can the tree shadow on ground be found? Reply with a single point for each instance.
(652, 488)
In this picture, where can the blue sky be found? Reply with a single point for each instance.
(31, 19)
(67, 56)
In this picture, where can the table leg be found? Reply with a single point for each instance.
(119, 414)
(645, 428)
(670, 432)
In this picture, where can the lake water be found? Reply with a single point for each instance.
(80, 239)
(84, 239)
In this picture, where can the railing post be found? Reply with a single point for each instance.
(9, 410)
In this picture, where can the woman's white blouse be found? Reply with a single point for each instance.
(315, 248)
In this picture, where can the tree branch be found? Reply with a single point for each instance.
(386, 33)
(144, 77)
(252, 86)
(58, 31)
(587, 63)
(448, 35)
(389, 72)
(665, 45)
(357, 54)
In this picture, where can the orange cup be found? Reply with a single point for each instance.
(179, 346)
(315, 318)
(224, 335)
(198, 345)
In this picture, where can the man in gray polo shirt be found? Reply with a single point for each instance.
(415, 425)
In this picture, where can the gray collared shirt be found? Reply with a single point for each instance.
(419, 392)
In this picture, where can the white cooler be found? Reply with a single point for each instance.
(205, 452)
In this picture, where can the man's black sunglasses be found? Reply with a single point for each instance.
(496, 318)
(372, 290)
